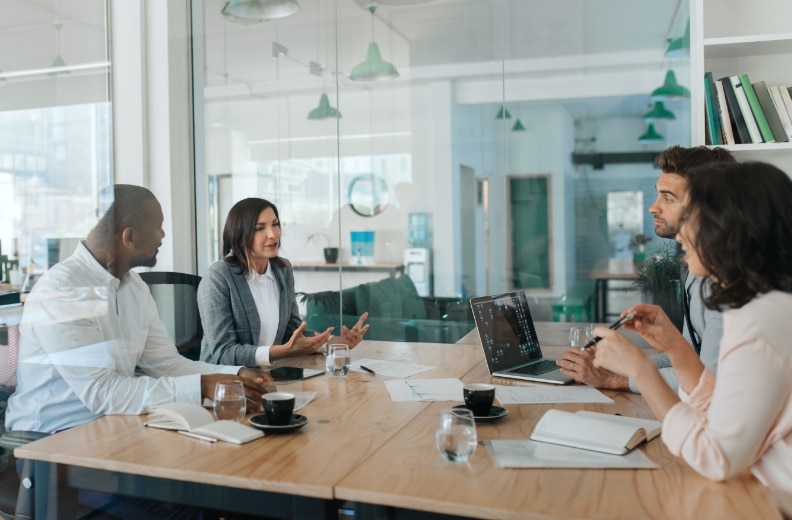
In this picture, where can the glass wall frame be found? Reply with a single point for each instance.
(486, 89)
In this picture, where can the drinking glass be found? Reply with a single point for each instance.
(338, 360)
(579, 336)
(229, 401)
(455, 436)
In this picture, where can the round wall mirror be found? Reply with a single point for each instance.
(368, 194)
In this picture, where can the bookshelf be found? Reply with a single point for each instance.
(730, 37)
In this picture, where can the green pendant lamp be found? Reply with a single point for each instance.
(503, 113)
(58, 62)
(518, 126)
(324, 110)
(679, 47)
(253, 11)
(670, 89)
(373, 68)
(651, 136)
(658, 112)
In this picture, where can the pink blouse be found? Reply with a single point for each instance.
(743, 419)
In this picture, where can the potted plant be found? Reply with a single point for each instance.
(638, 246)
(658, 278)
(330, 253)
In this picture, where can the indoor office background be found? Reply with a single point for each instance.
(506, 126)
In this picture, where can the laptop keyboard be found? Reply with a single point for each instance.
(534, 369)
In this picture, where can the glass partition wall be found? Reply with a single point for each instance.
(55, 131)
(444, 148)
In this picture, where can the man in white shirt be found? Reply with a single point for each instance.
(91, 341)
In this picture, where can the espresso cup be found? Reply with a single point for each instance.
(278, 407)
(479, 397)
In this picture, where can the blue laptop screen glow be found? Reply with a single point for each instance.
(506, 330)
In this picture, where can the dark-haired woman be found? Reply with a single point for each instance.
(246, 300)
(737, 231)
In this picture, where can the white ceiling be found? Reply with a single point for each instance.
(458, 38)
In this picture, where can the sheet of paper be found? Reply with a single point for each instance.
(389, 368)
(548, 394)
(529, 454)
(302, 398)
(424, 389)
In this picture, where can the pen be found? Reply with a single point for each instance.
(616, 325)
(199, 437)
(367, 369)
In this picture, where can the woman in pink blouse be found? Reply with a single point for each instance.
(737, 230)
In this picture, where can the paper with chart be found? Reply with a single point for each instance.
(546, 395)
(424, 389)
(520, 453)
(382, 367)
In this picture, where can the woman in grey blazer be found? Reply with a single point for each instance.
(246, 300)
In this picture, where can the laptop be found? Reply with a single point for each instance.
(508, 337)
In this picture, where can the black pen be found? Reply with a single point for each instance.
(619, 323)
(367, 369)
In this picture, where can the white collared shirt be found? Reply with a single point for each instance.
(85, 339)
(266, 294)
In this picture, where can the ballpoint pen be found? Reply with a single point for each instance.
(621, 321)
(367, 369)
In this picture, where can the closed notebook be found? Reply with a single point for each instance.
(196, 419)
(594, 431)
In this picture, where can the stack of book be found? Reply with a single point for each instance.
(741, 112)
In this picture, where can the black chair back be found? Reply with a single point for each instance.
(176, 295)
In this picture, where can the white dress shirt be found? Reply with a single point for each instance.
(92, 345)
(266, 294)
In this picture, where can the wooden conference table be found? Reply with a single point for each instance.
(360, 451)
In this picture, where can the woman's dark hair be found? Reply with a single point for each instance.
(744, 229)
(240, 226)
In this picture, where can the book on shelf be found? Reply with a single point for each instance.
(595, 431)
(783, 115)
(741, 135)
(768, 107)
(712, 116)
(725, 117)
(197, 420)
(756, 109)
(745, 109)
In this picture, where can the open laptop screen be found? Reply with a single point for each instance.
(506, 330)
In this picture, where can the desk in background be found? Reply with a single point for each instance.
(361, 451)
(613, 288)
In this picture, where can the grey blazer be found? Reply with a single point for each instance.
(229, 316)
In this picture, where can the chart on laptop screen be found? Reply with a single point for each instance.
(506, 329)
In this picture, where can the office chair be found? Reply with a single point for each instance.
(176, 295)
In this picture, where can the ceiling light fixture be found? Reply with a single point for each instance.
(670, 89)
(651, 136)
(58, 66)
(373, 68)
(324, 110)
(679, 47)
(518, 126)
(503, 113)
(658, 112)
(254, 11)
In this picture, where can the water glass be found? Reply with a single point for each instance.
(338, 360)
(455, 436)
(579, 336)
(230, 401)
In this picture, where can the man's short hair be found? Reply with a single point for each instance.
(124, 206)
(682, 161)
